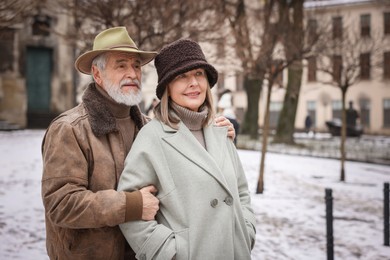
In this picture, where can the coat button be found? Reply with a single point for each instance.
(214, 203)
(229, 201)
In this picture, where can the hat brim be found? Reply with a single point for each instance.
(212, 75)
(84, 62)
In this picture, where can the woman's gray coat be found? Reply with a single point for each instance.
(205, 210)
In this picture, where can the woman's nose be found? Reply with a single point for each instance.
(193, 81)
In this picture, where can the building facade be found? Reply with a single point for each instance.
(38, 80)
(322, 102)
(36, 71)
(368, 20)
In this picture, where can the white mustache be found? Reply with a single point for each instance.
(130, 81)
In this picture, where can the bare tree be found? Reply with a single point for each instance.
(14, 11)
(349, 56)
(252, 29)
(293, 41)
(274, 69)
(151, 23)
(257, 52)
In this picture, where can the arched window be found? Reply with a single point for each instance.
(41, 25)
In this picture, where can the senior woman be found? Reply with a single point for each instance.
(205, 210)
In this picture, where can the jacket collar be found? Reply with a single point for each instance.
(101, 119)
(211, 160)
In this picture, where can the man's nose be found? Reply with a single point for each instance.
(131, 73)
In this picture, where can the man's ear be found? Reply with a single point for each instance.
(97, 75)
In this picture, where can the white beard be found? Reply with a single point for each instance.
(132, 98)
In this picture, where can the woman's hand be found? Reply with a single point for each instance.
(223, 121)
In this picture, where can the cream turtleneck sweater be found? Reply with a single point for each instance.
(193, 121)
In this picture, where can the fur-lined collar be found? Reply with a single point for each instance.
(101, 119)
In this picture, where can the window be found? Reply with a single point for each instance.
(365, 66)
(337, 68)
(7, 49)
(274, 112)
(277, 68)
(365, 25)
(336, 109)
(279, 79)
(41, 25)
(386, 65)
(311, 111)
(365, 106)
(312, 31)
(386, 113)
(386, 23)
(312, 69)
(337, 23)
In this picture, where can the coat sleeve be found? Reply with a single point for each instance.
(245, 198)
(148, 239)
(67, 200)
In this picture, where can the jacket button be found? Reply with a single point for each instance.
(214, 203)
(229, 201)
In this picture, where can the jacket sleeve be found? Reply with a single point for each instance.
(67, 200)
(148, 239)
(245, 198)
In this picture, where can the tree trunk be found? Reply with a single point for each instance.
(253, 89)
(293, 40)
(343, 136)
(260, 183)
(286, 123)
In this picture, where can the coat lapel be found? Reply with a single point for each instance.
(186, 144)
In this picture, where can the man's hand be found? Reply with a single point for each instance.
(223, 121)
(150, 202)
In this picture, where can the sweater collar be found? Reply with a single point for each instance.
(193, 120)
(102, 111)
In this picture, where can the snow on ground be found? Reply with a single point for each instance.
(290, 213)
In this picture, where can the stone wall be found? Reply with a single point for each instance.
(13, 104)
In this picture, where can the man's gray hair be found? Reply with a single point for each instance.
(100, 61)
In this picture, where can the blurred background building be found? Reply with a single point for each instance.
(38, 80)
(370, 96)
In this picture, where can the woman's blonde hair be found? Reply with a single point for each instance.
(166, 113)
